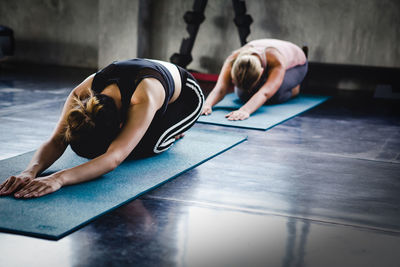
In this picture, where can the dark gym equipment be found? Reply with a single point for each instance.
(6, 41)
(193, 20)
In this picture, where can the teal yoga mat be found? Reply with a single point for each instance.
(265, 117)
(56, 215)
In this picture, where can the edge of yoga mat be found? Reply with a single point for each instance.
(204, 119)
(238, 138)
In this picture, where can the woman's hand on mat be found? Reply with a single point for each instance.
(15, 183)
(237, 115)
(207, 110)
(39, 187)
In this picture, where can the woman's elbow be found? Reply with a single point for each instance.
(265, 95)
(112, 166)
(114, 163)
(114, 160)
(222, 91)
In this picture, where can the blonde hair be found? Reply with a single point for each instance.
(246, 69)
(81, 117)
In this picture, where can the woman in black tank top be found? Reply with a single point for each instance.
(123, 110)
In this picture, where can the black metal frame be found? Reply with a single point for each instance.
(194, 18)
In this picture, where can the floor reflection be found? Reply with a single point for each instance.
(19, 250)
(322, 164)
(295, 257)
(165, 233)
(123, 233)
(208, 237)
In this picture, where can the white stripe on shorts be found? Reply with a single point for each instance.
(175, 129)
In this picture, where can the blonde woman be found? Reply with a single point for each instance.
(263, 71)
(135, 107)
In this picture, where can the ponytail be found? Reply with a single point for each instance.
(91, 124)
(80, 118)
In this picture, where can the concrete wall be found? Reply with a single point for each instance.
(87, 33)
(91, 33)
(57, 32)
(359, 32)
(118, 30)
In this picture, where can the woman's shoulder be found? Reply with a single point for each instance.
(83, 89)
(275, 57)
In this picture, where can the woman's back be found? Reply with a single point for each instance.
(293, 54)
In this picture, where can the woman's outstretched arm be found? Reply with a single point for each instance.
(258, 99)
(49, 151)
(146, 101)
(224, 83)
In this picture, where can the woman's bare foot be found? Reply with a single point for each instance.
(179, 136)
(296, 90)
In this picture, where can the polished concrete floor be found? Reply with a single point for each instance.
(322, 189)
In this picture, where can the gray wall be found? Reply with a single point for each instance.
(85, 33)
(359, 32)
(118, 30)
(91, 33)
(53, 31)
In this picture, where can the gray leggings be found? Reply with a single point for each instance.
(293, 77)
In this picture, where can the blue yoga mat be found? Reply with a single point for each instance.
(266, 116)
(56, 215)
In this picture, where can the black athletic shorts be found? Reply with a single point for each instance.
(178, 118)
(293, 77)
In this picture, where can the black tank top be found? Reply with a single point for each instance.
(128, 74)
